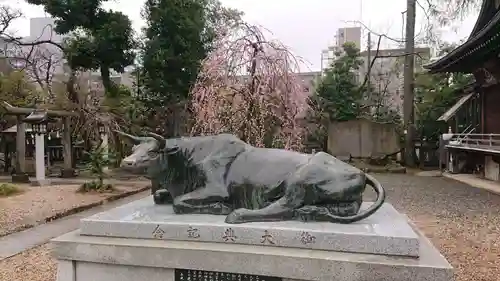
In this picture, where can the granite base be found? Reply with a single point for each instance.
(386, 232)
(144, 241)
(68, 173)
(89, 258)
(44, 182)
(20, 178)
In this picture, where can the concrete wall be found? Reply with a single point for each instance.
(361, 138)
(491, 169)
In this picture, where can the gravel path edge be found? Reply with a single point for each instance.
(77, 209)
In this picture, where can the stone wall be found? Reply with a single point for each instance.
(362, 138)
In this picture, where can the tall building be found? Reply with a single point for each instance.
(48, 55)
(42, 28)
(349, 34)
(343, 35)
(386, 74)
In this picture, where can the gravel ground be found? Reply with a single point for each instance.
(463, 222)
(33, 265)
(37, 203)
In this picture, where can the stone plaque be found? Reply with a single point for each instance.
(386, 232)
(202, 275)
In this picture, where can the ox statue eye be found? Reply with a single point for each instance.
(173, 150)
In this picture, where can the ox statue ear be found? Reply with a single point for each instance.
(135, 140)
(161, 140)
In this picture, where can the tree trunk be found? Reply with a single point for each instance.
(70, 88)
(106, 80)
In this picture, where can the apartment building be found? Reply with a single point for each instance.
(349, 34)
(386, 75)
(343, 35)
(48, 58)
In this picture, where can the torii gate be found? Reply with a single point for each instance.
(20, 113)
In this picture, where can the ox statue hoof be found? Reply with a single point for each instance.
(237, 216)
(307, 213)
(162, 197)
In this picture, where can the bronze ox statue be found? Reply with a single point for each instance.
(223, 175)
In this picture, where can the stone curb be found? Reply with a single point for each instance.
(80, 180)
(475, 185)
(384, 170)
(77, 209)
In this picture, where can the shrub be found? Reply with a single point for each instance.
(7, 189)
(95, 186)
(98, 159)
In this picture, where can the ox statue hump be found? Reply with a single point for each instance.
(223, 175)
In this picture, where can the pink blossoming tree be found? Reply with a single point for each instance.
(249, 86)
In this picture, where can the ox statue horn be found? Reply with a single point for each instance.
(157, 137)
(135, 139)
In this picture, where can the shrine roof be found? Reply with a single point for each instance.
(484, 35)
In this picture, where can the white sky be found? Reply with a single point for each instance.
(306, 26)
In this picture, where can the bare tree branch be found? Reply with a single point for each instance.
(7, 16)
(377, 33)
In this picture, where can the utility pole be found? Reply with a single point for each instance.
(368, 63)
(408, 100)
(322, 58)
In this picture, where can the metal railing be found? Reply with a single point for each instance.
(476, 141)
(467, 131)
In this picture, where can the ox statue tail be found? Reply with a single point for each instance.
(377, 187)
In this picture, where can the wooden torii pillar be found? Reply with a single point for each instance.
(21, 112)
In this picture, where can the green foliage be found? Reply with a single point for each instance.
(95, 186)
(384, 114)
(7, 189)
(100, 39)
(179, 35)
(123, 104)
(338, 95)
(98, 159)
(17, 90)
(434, 95)
(69, 14)
(177, 40)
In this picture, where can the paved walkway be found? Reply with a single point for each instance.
(474, 181)
(80, 180)
(15, 243)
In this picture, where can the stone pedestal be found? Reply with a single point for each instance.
(105, 145)
(20, 178)
(41, 182)
(20, 164)
(68, 173)
(40, 179)
(145, 241)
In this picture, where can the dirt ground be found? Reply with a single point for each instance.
(463, 223)
(33, 265)
(35, 204)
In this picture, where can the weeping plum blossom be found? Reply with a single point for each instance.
(250, 87)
